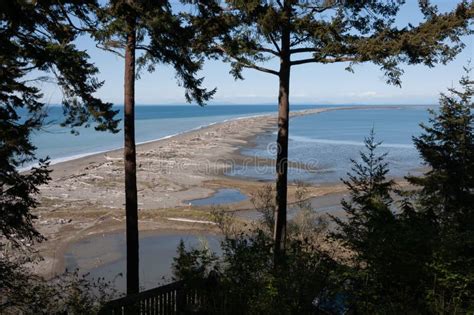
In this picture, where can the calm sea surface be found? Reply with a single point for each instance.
(328, 141)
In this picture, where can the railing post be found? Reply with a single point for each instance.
(180, 300)
(132, 309)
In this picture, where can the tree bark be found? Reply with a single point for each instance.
(131, 203)
(282, 144)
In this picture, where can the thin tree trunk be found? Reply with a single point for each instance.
(131, 203)
(282, 146)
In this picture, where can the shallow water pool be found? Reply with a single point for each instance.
(222, 196)
(104, 256)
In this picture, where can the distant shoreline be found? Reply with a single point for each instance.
(59, 160)
(55, 161)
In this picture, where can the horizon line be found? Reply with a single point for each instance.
(269, 104)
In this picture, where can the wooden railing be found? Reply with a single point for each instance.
(179, 298)
(174, 298)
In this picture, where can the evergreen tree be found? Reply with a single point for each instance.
(161, 36)
(250, 33)
(447, 196)
(366, 232)
(385, 271)
(37, 41)
(447, 148)
(369, 206)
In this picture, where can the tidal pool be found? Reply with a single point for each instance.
(222, 196)
(104, 256)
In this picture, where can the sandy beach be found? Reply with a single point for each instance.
(86, 196)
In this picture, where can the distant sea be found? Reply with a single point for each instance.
(332, 138)
(327, 142)
(152, 123)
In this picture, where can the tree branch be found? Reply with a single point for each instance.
(324, 60)
(268, 50)
(274, 43)
(313, 9)
(261, 69)
(246, 64)
(144, 48)
(316, 9)
(103, 47)
(71, 23)
(302, 50)
(299, 41)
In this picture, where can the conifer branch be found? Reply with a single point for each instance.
(325, 60)
(277, 47)
(246, 63)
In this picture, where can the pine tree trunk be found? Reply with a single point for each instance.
(282, 146)
(131, 203)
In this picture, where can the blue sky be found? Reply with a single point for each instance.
(310, 83)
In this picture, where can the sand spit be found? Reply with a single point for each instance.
(86, 195)
(169, 170)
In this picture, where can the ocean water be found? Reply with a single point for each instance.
(323, 145)
(152, 123)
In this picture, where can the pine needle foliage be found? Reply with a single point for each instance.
(37, 40)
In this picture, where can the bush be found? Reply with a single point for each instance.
(25, 293)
